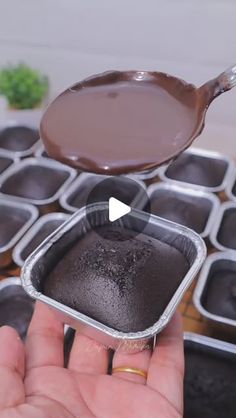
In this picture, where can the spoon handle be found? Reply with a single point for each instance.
(227, 79)
(224, 82)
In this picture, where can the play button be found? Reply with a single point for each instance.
(117, 209)
(122, 196)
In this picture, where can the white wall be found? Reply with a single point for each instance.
(70, 39)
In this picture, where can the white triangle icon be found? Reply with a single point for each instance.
(117, 209)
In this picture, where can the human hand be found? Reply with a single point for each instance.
(34, 383)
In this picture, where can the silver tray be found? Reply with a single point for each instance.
(210, 342)
(219, 323)
(32, 232)
(196, 194)
(38, 265)
(214, 232)
(138, 202)
(162, 172)
(7, 154)
(6, 250)
(29, 151)
(44, 204)
(230, 186)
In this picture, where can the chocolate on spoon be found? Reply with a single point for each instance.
(122, 122)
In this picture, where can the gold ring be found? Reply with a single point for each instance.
(128, 369)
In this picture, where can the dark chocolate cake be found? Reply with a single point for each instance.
(220, 295)
(227, 231)
(210, 382)
(120, 280)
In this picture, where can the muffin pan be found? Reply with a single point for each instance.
(42, 228)
(215, 293)
(223, 234)
(195, 209)
(16, 307)
(130, 191)
(175, 238)
(19, 140)
(39, 181)
(210, 378)
(15, 219)
(199, 169)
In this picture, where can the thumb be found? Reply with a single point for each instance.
(12, 368)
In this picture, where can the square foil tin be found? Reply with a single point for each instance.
(212, 156)
(224, 260)
(44, 258)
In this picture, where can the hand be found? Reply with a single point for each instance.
(34, 383)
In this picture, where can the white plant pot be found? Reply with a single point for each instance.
(28, 117)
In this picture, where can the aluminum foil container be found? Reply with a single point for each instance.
(214, 162)
(6, 160)
(209, 383)
(16, 308)
(223, 234)
(40, 151)
(231, 187)
(18, 210)
(51, 202)
(212, 310)
(27, 152)
(46, 220)
(83, 181)
(186, 200)
(42, 260)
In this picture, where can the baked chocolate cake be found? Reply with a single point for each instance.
(121, 280)
(210, 382)
(219, 297)
(227, 231)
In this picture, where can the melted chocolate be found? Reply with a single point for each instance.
(220, 294)
(34, 182)
(227, 231)
(122, 281)
(11, 221)
(210, 381)
(16, 309)
(18, 138)
(186, 210)
(119, 122)
(43, 233)
(197, 169)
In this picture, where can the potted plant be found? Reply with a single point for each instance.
(25, 90)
